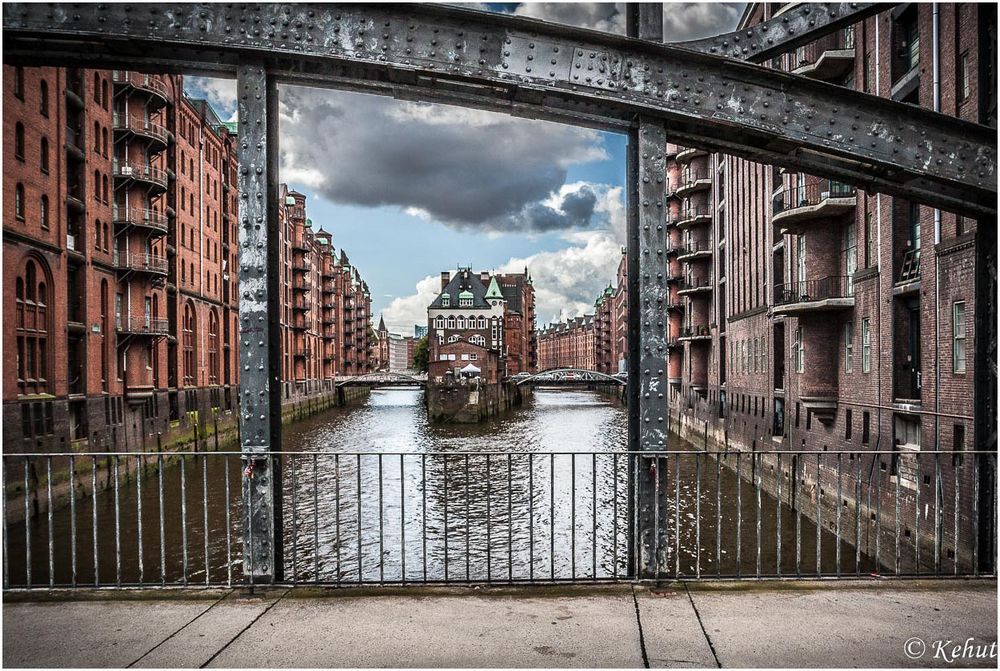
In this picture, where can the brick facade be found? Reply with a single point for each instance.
(119, 243)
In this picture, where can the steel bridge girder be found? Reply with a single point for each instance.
(538, 69)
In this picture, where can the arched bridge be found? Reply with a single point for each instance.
(383, 379)
(567, 376)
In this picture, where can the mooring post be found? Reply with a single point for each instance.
(647, 294)
(260, 355)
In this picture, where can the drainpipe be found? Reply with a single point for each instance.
(936, 30)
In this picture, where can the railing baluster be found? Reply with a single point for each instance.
(510, 520)
(229, 533)
(593, 515)
(336, 504)
(797, 489)
(468, 565)
(656, 513)
(118, 545)
(163, 549)
(445, 458)
(938, 517)
(840, 500)
(72, 522)
(3, 511)
(739, 514)
(897, 539)
(531, 517)
(697, 516)
(777, 513)
(878, 513)
(93, 509)
(48, 489)
(489, 519)
(140, 473)
(572, 516)
(552, 516)
(819, 516)
(27, 524)
(718, 514)
(381, 524)
(316, 518)
(204, 510)
(184, 538)
(361, 575)
(614, 515)
(955, 544)
(758, 463)
(295, 518)
(975, 515)
(423, 517)
(857, 516)
(916, 514)
(677, 517)
(402, 519)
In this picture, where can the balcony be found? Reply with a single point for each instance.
(142, 326)
(816, 200)
(303, 352)
(74, 142)
(694, 215)
(689, 153)
(695, 285)
(141, 217)
(834, 292)
(301, 285)
(154, 86)
(695, 250)
(693, 333)
(138, 172)
(301, 266)
(125, 124)
(302, 305)
(829, 58)
(693, 180)
(140, 263)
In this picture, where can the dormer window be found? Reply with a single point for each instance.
(445, 300)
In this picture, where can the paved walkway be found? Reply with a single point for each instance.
(705, 625)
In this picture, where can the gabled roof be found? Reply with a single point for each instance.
(381, 323)
(494, 289)
(464, 281)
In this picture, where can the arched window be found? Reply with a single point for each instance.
(97, 138)
(482, 322)
(19, 201)
(19, 82)
(19, 141)
(439, 322)
(104, 142)
(451, 322)
(31, 326)
(106, 240)
(97, 236)
(43, 214)
(97, 186)
(104, 184)
(190, 328)
(213, 348)
(43, 94)
(97, 88)
(454, 338)
(104, 93)
(44, 155)
(478, 340)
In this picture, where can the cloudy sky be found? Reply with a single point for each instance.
(411, 189)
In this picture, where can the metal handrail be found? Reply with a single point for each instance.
(692, 174)
(139, 216)
(140, 125)
(142, 324)
(813, 192)
(140, 262)
(805, 291)
(690, 211)
(140, 80)
(128, 170)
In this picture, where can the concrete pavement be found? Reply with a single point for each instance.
(848, 623)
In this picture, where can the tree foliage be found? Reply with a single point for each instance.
(420, 355)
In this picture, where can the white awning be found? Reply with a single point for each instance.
(471, 369)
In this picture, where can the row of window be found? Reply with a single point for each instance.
(746, 360)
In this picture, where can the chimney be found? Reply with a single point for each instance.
(445, 278)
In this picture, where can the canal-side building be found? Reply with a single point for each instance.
(519, 324)
(808, 314)
(119, 249)
(568, 344)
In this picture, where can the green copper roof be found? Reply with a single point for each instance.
(309, 223)
(289, 200)
(466, 294)
(494, 289)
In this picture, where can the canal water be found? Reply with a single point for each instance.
(375, 493)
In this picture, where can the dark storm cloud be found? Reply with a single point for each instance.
(465, 168)
(681, 20)
(575, 211)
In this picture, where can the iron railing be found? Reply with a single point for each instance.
(140, 80)
(146, 173)
(142, 325)
(178, 518)
(806, 291)
(811, 192)
(141, 126)
(142, 262)
(139, 216)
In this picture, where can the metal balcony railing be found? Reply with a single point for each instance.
(142, 263)
(142, 325)
(302, 305)
(695, 247)
(807, 291)
(812, 192)
(141, 126)
(692, 175)
(142, 81)
(694, 283)
(691, 212)
(74, 137)
(139, 171)
(695, 332)
(139, 216)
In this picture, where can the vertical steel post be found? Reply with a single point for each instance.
(985, 406)
(260, 355)
(647, 292)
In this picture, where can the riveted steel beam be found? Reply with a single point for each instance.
(539, 70)
(800, 24)
(647, 314)
(260, 334)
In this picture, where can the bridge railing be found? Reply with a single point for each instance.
(178, 519)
